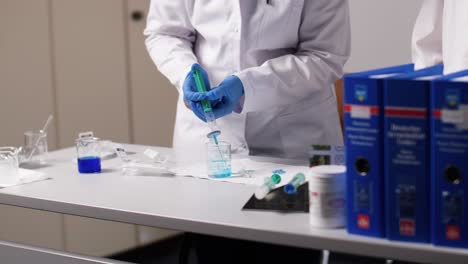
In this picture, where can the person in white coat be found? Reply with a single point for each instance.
(271, 64)
(440, 35)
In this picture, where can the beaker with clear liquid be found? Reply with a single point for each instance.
(219, 159)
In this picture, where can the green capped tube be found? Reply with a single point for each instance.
(268, 185)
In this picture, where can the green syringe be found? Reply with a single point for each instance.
(209, 115)
(206, 105)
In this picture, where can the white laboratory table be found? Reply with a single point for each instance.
(196, 205)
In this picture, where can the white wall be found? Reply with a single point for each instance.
(381, 32)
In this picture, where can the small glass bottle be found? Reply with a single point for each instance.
(89, 154)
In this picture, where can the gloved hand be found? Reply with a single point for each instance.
(229, 92)
(192, 97)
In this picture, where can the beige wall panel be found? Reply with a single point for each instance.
(31, 227)
(91, 73)
(93, 237)
(381, 33)
(26, 94)
(153, 98)
(147, 235)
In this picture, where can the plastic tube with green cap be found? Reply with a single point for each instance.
(268, 185)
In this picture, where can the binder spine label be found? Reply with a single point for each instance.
(407, 161)
(362, 129)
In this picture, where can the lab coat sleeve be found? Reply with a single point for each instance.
(323, 49)
(427, 35)
(170, 37)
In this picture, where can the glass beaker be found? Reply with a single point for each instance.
(219, 159)
(35, 146)
(89, 154)
(9, 165)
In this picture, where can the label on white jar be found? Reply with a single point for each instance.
(327, 204)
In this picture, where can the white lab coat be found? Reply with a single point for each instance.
(440, 35)
(286, 53)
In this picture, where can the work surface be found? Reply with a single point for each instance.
(195, 205)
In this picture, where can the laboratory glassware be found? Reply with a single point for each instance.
(9, 165)
(89, 154)
(35, 146)
(219, 159)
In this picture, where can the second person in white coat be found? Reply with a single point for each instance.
(440, 35)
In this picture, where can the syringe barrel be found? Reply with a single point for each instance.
(201, 87)
(199, 81)
(207, 107)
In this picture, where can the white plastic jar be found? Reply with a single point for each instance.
(327, 196)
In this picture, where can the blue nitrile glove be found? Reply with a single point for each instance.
(229, 92)
(192, 97)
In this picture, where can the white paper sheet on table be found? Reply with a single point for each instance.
(260, 171)
(27, 176)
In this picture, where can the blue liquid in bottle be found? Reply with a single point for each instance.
(89, 164)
